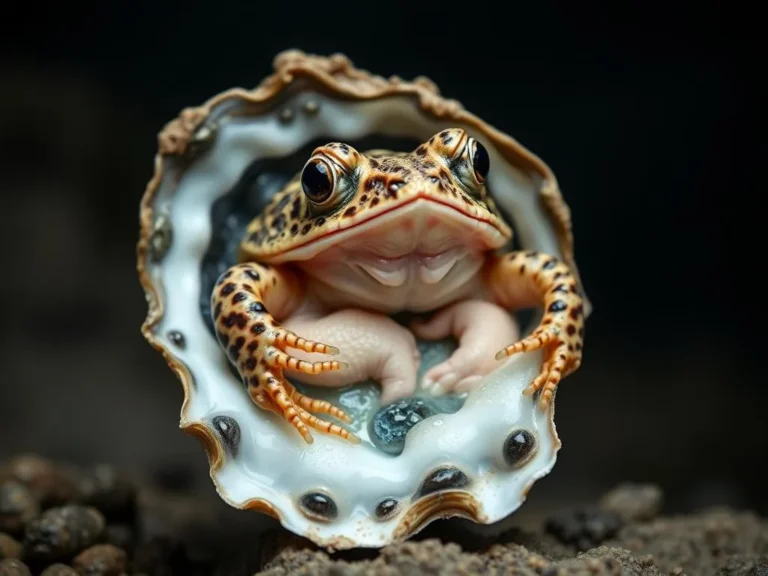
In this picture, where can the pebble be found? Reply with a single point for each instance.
(17, 507)
(101, 560)
(59, 570)
(584, 528)
(51, 485)
(13, 567)
(391, 424)
(103, 489)
(121, 535)
(62, 532)
(9, 547)
(634, 502)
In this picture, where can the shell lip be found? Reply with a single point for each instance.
(174, 141)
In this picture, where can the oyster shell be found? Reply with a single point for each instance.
(214, 166)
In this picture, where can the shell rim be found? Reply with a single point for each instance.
(335, 74)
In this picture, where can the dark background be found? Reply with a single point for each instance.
(641, 111)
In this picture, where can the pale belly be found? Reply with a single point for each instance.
(413, 282)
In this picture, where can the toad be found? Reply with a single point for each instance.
(356, 237)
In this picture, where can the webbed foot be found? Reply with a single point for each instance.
(561, 330)
(258, 347)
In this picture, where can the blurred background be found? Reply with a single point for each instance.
(640, 112)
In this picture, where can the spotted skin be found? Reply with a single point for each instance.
(257, 345)
(350, 199)
(368, 184)
(533, 277)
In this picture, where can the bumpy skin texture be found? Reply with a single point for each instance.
(355, 237)
(256, 344)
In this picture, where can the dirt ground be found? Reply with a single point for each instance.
(58, 520)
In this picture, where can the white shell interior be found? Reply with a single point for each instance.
(273, 463)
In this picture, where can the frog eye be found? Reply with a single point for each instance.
(317, 180)
(481, 162)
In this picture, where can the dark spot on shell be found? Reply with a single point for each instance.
(239, 297)
(161, 238)
(518, 447)
(391, 423)
(318, 506)
(294, 229)
(445, 478)
(307, 228)
(217, 310)
(571, 329)
(229, 431)
(350, 211)
(319, 221)
(385, 508)
(228, 289)
(374, 202)
(250, 364)
(177, 338)
(311, 107)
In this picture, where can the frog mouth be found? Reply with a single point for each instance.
(485, 231)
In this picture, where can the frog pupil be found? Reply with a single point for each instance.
(316, 181)
(481, 161)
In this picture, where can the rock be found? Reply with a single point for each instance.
(121, 535)
(13, 567)
(62, 532)
(634, 502)
(101, 560)
(17, 507)
(391, 424)
(59, 570)
(50, 485)
(9, 547)
(584, 528)
(103, 489)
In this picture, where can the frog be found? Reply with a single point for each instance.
(357, 237)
